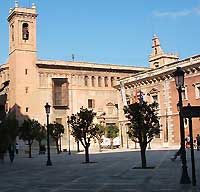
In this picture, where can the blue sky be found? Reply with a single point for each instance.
(109, 31)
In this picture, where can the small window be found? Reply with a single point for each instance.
(26, 71)
(59, 120)
(99, 81)
(26, 89)
(156, 64)
(155, 99)
(27, 109)
(86, 81)
(184, 93)
(25, 32)
(91, 103)
(197, 90)
(156, 52)
(93, 81)
(106, 81)
(12, 32)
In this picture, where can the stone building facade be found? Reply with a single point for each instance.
(69, 85)
(157, 84)
(65, 85)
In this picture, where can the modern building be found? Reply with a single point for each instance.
(158, 84)
(65, 85)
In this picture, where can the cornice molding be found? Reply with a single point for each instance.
(82, 68)
(189, 65)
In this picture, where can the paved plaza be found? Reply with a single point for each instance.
(110, 171)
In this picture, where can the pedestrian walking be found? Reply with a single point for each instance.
(187, 139)
(198, 142)
(11, 150)
(178, 153)
(17, 148)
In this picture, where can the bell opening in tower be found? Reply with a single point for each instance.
(25, 32)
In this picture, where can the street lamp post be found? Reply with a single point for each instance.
(68, 126)
(47, 108)
(179, 80)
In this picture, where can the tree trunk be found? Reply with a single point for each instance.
(99, 142)
(1, 157)
(29, 144)
(143, 157)
(78, 148)
(39, 142)
(87, 160)
(57, 146)
(111, 143)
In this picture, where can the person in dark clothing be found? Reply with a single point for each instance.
(17, 148)
(198, 142)
(187, 139)
(11, 150)
(178, 153)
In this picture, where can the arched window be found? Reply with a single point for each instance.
(25, 32)
(156, 64)
(156, 51)
(106, 81)
(99, 81)
(154, 96)
(86, 80)
(93, 81)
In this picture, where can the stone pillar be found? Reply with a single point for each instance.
(89, 81)
(166, 127)
(109, 81)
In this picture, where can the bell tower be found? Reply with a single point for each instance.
(158, 58)
(22, 28)
(22, 58)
